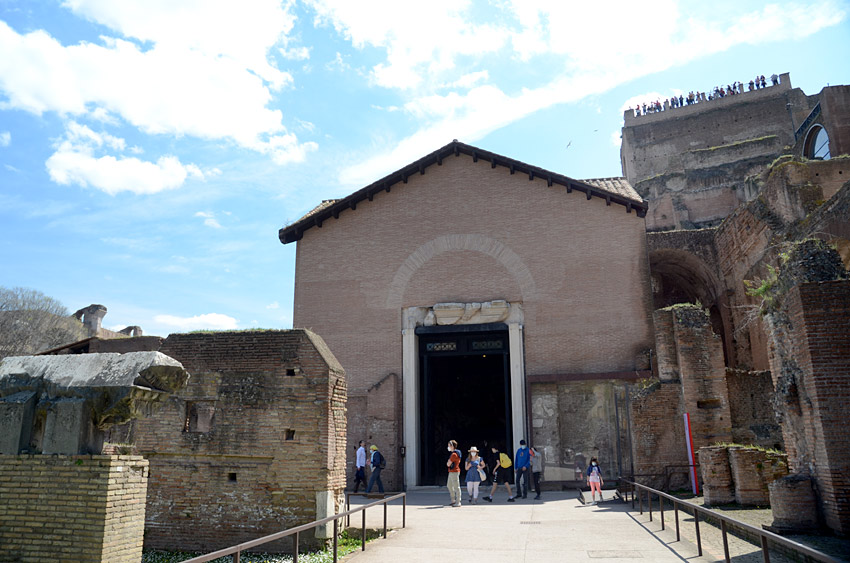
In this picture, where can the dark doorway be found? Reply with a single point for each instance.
(464, 395)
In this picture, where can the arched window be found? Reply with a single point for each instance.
(817, 144)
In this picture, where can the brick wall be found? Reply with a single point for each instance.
(72, 508)
(658, 435)
(250, 445)
(577, 266)
(819, 313)
(752, 471)
(751, 406)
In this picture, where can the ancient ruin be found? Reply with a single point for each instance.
(62, 499)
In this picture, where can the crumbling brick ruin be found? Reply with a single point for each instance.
(733, 185)
(254, 444)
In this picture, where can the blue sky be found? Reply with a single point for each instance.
(150, 150)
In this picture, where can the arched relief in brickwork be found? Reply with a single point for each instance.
(446, 243)
(679, 276)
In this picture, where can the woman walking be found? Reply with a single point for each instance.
(474, 469)
(594, 479)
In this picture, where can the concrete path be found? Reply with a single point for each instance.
(557, 529)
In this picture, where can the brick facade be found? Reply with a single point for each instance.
(466, 231)
(254, 444)
(87, 508)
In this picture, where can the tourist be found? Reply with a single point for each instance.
(360, 466)
(594, 479)
(378, 463)
(453, 483)
(751, 85)
(536, 469)
(501, 471)
(763, 85)
(774, 79)
(474, 474)
(523, 469)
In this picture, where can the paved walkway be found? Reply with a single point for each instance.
(557, 529)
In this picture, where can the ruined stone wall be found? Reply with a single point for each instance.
(461, 232)
(691, 163)
(72, 508)
(819, 316)
(253, 445)
(835, 107)
(751, 407)
(658, 435)
(574, 421)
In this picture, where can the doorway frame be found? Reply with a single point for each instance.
(414, 317)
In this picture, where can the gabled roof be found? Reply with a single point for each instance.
(612, 190)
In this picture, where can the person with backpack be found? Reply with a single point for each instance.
(501, 474)
(594, 479)
(453, 483)
(536, 469)
(378, 463)
(523, 469)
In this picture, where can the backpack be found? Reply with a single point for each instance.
(504, 460)
(382, 461)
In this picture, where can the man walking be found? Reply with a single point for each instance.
(522, 461)
(378, 463)
(501, 474)
(360, 466)
(453, 482)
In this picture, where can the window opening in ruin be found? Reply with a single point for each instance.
(231, 477)
(817, 144)
(290, 371)
(199, 416)
(290, 434)
(464, 395)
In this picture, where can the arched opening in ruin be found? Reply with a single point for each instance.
(817, 144)
(464, 395)
(681, 277)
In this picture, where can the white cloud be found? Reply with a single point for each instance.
(274, 305)
(209, 219)
(76, 161)
(616, 138)
(204, 71)
(5, 139)
(210, 321)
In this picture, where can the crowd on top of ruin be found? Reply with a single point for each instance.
(697, 97)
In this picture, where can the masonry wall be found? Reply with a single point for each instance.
(72, 508)
(254, 444)
(750, 402)
(820, 316)
(577, 266)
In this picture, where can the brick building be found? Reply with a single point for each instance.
(254, 443)
(471, 296)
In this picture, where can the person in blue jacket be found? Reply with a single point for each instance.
(522, 461)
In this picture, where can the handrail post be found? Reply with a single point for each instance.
(347, 508)
(295, 548)
(661, 506)
(403, 511)
(632, 485)
(236, 557)
(764, 550)
(385, 519)
(649, 502)
(696, 524)
(640, 500)
(336, 540)
(725, 540)
(363, 532)
(676, 511)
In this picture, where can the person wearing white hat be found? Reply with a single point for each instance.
(474, 474)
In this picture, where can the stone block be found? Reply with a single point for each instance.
(16, 414)
(794, 505)
(716, 475)
(65, 427)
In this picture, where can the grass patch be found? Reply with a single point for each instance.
(349, 541)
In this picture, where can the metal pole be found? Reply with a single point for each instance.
(640, 500)
(363, 532)
(385, 519)
(696, 524)
(661, 505)
(649, 502)
(764, 550)
(336, 539)
(725, 540)
(676, 510)
(295, 548)
(633, 495)
(403, 510)
(348, 506)
(236, 557)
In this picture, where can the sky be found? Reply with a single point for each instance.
(151, 150)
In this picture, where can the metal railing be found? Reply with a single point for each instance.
(237, 550)
(725, 523)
